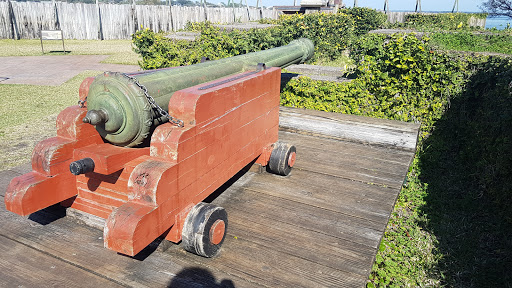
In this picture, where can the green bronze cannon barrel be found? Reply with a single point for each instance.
(118, 106)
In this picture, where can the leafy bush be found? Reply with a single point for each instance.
(441, 21)
(467, 41)
(366, 19)
(401, 79)
(331, 33)
(486, 110)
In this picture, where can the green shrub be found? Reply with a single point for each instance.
(440, 21)
(486, 110)
(366, 19)
(331, 33)
(401, 79)
(467, 41)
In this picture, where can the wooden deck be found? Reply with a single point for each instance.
(318, 227)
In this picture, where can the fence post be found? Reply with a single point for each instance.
(170, 13)
(57, 20)
(100, 25)
(261, 9)
(12, 19)
(455, 4)
(248, 11)
(205, 12)
(418, 6)
(134, 17)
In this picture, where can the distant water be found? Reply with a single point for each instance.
(499, 23)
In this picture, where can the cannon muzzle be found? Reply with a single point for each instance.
(120, 107)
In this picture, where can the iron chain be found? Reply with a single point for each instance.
(152, 101)
(81, 103)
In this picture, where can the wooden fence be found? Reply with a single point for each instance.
(24, 20)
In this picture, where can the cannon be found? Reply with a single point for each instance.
(120, 109)
(143, 150)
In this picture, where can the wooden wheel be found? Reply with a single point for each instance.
(282, 158)
(205, 229)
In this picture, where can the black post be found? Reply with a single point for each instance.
(100, 31)
(12, 19)
(57, 21)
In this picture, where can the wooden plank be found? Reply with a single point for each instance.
(80, 20)
(337, 126)
(271, 268)
(82, 246)
(268, 208)
(22, 169)
(352, 198)
(346, 148)
(350, 165)
(317, 247)
(340, 153)
(407, 127)
(24, 266)
(318, 227)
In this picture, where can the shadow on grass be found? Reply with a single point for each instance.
(467, 163)
(56, 52)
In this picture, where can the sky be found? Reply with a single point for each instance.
(394, 5)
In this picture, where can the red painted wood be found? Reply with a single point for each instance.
(146, 192)
(34, 191)
(217, 232)
(70, 125)
(174, 234)
(53, 156)
(50, 181)
(84, 89)
(109, 158)
(291, 159)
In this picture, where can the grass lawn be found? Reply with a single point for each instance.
(28, 116)
(466, 41)
(120, 50)
(29, 111)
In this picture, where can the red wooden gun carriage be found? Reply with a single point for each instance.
(146, 172)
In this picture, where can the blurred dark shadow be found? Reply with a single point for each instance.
(467, 163)
(48, 215)
(58, 52)
(198, 277)
(228, 183)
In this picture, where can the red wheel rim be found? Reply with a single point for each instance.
(217, 232)
(291, 159)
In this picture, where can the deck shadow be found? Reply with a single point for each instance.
(48, 215)
(198, 277)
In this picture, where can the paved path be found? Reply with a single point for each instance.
(53, 70)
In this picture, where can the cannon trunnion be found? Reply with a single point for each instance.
(156, 188)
